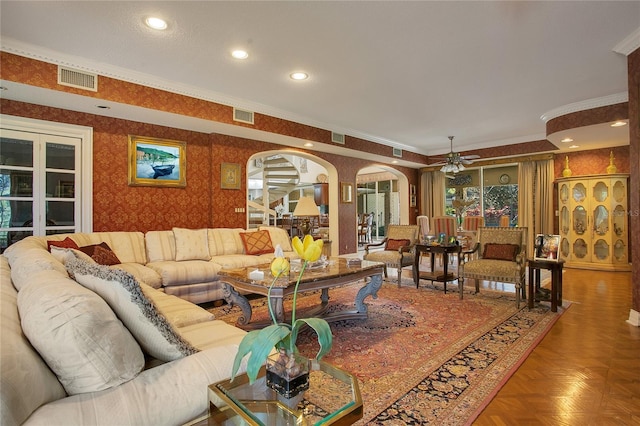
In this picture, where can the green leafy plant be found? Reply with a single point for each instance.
(258, 344)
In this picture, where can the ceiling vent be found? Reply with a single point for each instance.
(78, 79)
(397, 152)
(337, 138)
(243, 116)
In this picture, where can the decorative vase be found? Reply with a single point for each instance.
(567, 171)
(287, 374)
(611, 168)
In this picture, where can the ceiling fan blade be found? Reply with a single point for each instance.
(470, 157)
(465, 161)
(441, 163)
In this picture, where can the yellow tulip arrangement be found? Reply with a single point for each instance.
(258, 344)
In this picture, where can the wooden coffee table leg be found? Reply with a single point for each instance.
(233, 298)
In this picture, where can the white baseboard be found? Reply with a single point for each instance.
(634, 318)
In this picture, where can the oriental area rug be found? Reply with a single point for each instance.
(422, 356)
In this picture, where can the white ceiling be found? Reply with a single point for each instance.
(406, 74)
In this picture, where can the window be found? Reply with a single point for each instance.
(491, 192)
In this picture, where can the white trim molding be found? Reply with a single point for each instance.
(617, 98)
(629, 45)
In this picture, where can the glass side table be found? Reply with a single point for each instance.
(333, 398)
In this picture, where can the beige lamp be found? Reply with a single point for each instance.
(306, 208)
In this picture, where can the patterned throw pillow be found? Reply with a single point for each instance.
(501, 251)
(395, 245)
(101, 253)
(258, 242)
(66, 243)
(140, 315)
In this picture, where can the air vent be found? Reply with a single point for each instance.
(397, 152)
(78, 79)
(243, 116)
(337, 138)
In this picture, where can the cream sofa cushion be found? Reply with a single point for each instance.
(77, 335)
(185, 272)
(122, 292)
(191, 244)
(26, 382)
(161, 246)
(224, 241)
(178, 312)
(142, 273)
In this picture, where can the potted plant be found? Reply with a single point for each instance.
(286, 369)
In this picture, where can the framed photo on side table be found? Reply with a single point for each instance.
(546, 247)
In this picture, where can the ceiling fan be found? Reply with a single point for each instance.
(454, 162)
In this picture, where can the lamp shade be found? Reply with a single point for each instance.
(306, 207)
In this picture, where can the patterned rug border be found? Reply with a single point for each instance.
(474, 399)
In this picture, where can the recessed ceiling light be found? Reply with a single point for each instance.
(156, 23)
(394, 162)
(619, 123)
(567, 140)
(574, 146)
(308, 144)
(240, 54)
(298, 75)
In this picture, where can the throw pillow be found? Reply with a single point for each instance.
(501, 251)
(78, 335)
(191, 244)
(395, 245)
(122, 292)
(101, 253)
(64, 254)
(258, 242)
(66, 243)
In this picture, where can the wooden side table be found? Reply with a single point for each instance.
(555, 266)
(433, 275)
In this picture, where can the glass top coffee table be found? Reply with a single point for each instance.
(333, 398)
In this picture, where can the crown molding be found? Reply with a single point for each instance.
(617, 98)
(118, 73)
(630, 44)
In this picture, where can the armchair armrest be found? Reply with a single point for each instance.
(379, 244)
(467, 253)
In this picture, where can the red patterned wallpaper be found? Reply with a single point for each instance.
(588, 117)
(633, 61)
(593, 162)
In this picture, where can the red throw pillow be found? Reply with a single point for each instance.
(395, 245)
(258, 242)
(66, 243)
(101, 254)
(501, 251)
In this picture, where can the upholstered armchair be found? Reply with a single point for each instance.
(501, 256)
(398, 248)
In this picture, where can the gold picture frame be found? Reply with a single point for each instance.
(346, 192)
(157, 162)
(230, 176)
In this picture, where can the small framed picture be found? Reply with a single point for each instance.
(412, 201)
(412, 189)
(230, 176)
(546, 247)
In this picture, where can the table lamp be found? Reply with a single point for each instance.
(306, 207)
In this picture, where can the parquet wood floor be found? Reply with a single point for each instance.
(586, 371)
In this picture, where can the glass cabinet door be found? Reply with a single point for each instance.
(601, 220)
(579, 220)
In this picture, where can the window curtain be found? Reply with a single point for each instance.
(526, 204)
(433, 201)
(535, 208)
(544, 196)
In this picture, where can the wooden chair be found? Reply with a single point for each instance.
(444, 225)
(472, 223)
(398, 248)
(501, 257)
(505, 220)
(365, 224)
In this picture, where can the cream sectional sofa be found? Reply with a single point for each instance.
(84, 343)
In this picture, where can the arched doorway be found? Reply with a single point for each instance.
(277, 179)
(382, 192)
